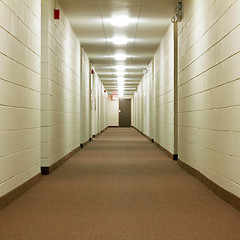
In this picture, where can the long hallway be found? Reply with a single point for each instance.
(119, 187)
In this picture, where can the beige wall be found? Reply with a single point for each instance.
(144, 102)
(60, 90)
(104, 107)
(209, 86)
(99, 105)
(164, 92)
(152, 100)
(113, 107)
(139, 112)
(154, 113)
(20, 51)
(85, 98)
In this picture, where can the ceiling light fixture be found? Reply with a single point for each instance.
(120, 57)
(120, 67)
(120, 40)
(120, 74)
(120, 21)
(120, 80)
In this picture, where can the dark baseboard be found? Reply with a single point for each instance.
(48, 170)
(113, 126)
(146, 136)
(219, 191)
(172, 156)
(137, 129)
(20, 190)
(82, 145)
(94, 136)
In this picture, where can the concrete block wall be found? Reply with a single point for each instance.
(134, 119)
(152, 100)
(104, 108)
(209, 86)
(156, 61)
(60, 88)
(113, 116)
(93, 102)
(99, 100)
(20, 52)
(155, 96)
(140, 106)
(98, 97)
(143, 104)
(146, 104)
(138, 111)
(85, 98)
(98, 103)
(164, 92)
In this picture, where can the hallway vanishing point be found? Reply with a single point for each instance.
(120, 187)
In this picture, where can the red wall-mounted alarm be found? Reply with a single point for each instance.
(56, 14)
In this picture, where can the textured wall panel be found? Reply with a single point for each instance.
(20, 52)
(60, 94)
(209, 85)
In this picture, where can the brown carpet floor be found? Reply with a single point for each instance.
(119, 187)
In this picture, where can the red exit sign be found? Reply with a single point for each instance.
(114, 97)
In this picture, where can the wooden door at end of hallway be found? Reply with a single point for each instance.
(124, 112)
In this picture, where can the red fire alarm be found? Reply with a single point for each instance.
(56, 14)
(92, 71)
(104, 90)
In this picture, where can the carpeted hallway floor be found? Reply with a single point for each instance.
(119, 187)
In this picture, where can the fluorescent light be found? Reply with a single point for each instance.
(120, 74)
(120, 21)
(120, 67)
(120, 40)
(120, 57)
(120, 80)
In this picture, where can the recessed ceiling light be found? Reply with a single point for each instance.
(120, 80)
(120, 57)
(120, 21)
(120, 67)
(120, 40)
(120, 74)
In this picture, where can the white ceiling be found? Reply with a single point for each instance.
(92, 22)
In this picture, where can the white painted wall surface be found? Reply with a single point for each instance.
(113, 115)
(60, 87)
(99, 105)
(20, 51)
(85, 98)
(209, 86)
(151, 101)
(164, 92)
